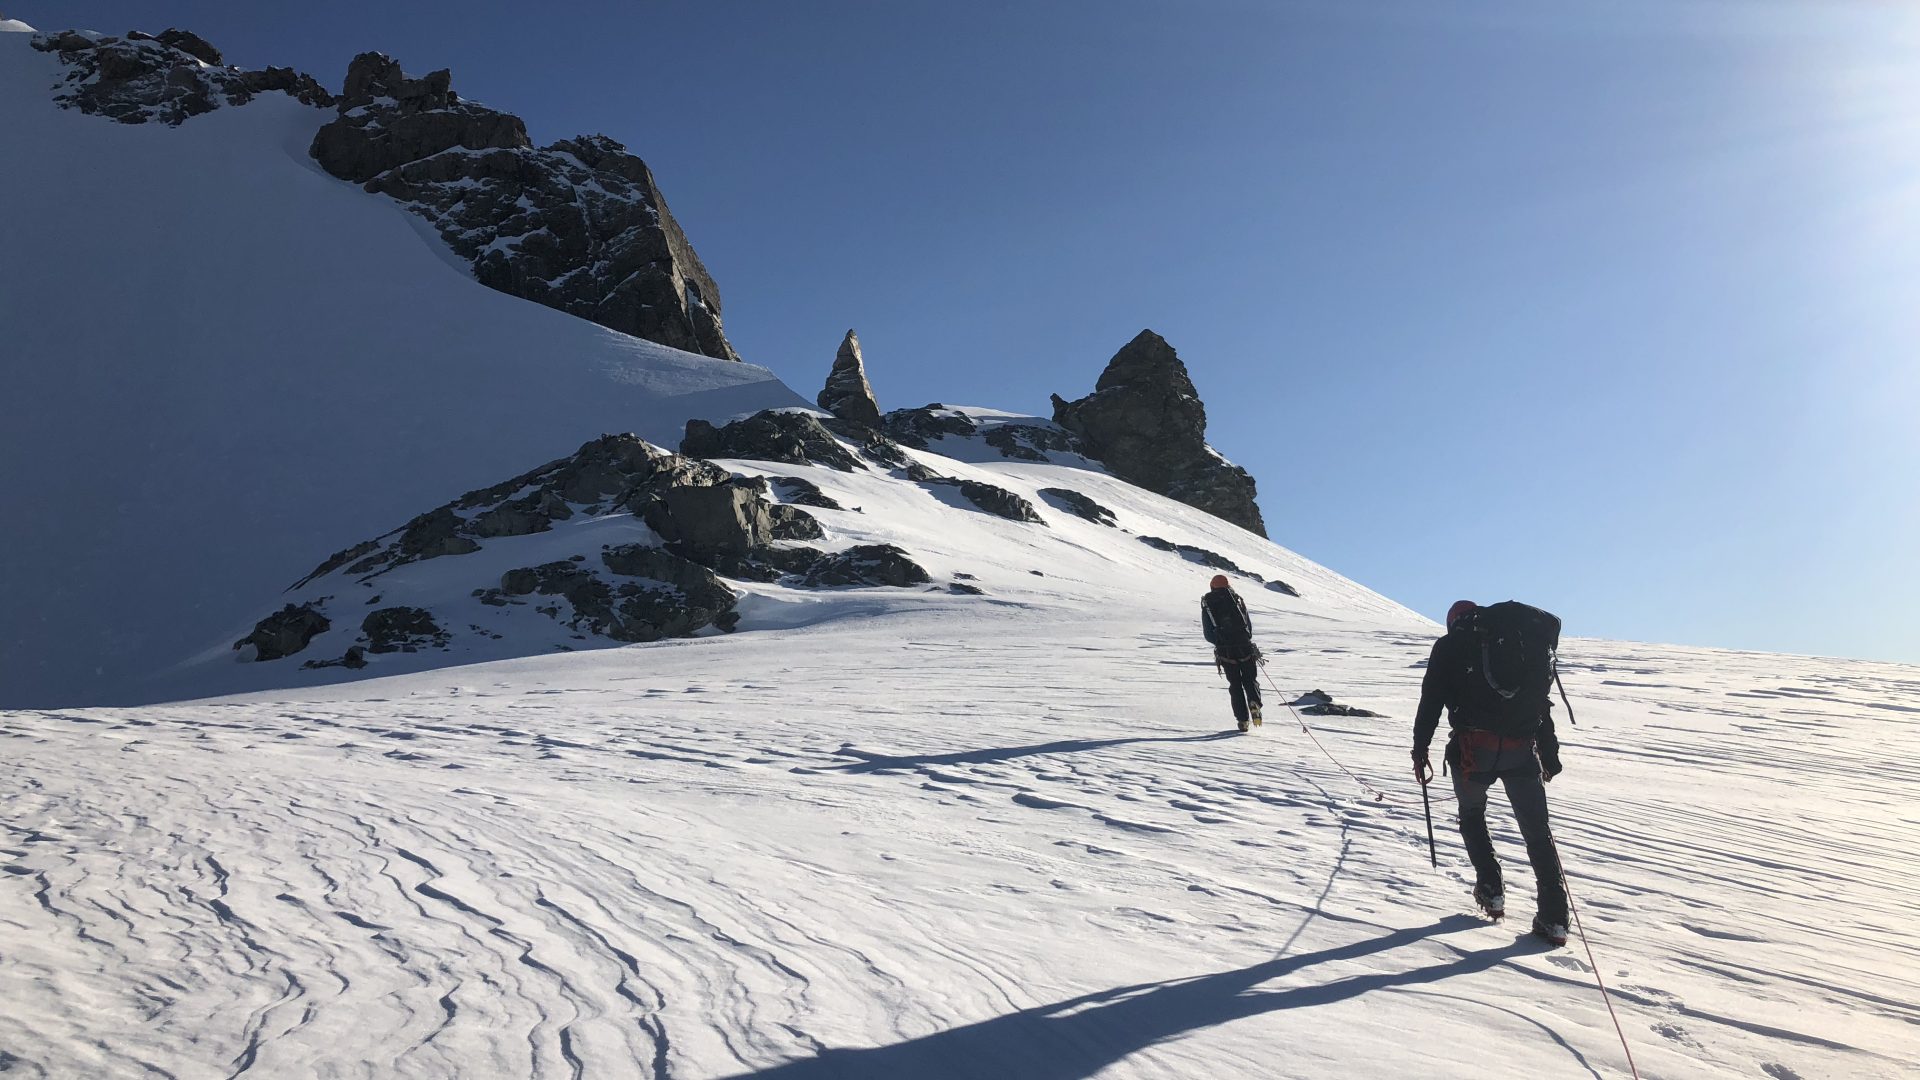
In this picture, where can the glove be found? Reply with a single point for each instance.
(1549, 763)
(1422, 767)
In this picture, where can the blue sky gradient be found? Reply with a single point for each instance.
(1608, 306)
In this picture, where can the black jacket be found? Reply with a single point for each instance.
(1223, 619)
(1448, 684)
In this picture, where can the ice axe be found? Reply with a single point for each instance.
(1426, 803)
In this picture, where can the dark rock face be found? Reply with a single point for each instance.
(702, 523)
(1073, 502)
(795, 438)
(868, 564)
(1213, 560)
(804, 493)
(919, 427)
(847, 394)
(401, 629)
(997, 501)
(727, 517)
(677, 598)
(1146, 422)
(285, 632)
(164, 79)
(580, 225)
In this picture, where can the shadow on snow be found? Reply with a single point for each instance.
(1076, 1038)
(880, 762)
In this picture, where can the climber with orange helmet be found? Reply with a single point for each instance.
(1223, 619)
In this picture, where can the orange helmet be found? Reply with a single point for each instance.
(1219, 581)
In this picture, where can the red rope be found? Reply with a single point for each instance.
(1572, 909)
(1378, 795)
(1598, 981)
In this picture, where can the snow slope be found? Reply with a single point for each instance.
(879, 833)
(218, 360)
(958, 842)
(1068, 564)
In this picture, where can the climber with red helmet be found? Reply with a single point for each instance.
(1224, 621)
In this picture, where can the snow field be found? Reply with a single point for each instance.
(949, 844)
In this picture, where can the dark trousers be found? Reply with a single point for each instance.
(1243, 684)
(1528, 796)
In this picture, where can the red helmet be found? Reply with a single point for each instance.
(1459, 608)
(1219, 581)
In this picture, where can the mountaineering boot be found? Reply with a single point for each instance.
(1492, 901)
(1243, 723)
(1255, 709)
(1554, 934)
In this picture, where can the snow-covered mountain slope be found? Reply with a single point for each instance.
(218, 360)
(975, 841)
(510, 571)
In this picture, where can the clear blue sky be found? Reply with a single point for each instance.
(1606, 306)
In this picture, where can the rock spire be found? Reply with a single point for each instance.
(1145, 421)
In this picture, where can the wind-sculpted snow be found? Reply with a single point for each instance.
(938, 846)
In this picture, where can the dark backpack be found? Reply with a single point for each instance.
(1229, 621)
(1509, 655)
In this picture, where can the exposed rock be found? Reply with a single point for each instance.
(520, 517)
(285, 632)
(868, 564)
(579, 225)
(873, 445)
(796, 438)
(793, 523)
(1032, 442)
(919, 427)
(801, 492)
(725, 517)
(847, 394)
(165, 79)
(1073, 502)
(1212, 560)
(432, 535)
(1321, 703)
(997, 501)
(701, 523)
(190, 43)
(1145, 421)
(631, 610)
(961, 588)
(1283, 587)
(401, 629)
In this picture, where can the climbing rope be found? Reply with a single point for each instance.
(1378, 795)
(1574, 910)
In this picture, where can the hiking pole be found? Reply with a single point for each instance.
(1426, 803)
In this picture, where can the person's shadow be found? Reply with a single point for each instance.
(1074, 1039)
(879, 762)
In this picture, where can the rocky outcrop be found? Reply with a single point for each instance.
(401, 629)
(285, 632)
(1145, 421)
(924, 427)
(868, 564)
(1080, 505)
(622, 540)
(795, 438)
(579, 225)
(997, 501)
(847, 394)
(166, 78)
